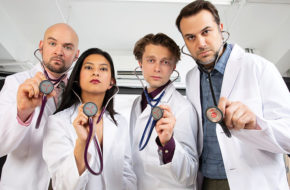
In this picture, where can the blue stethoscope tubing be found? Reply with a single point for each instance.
(149, 120)
(149, 100)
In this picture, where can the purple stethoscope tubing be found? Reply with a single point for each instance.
(91, 125)
(44, 98)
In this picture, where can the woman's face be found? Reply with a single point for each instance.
(95, 75)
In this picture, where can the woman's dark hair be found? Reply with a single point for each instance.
(69, 98)
(194, 8)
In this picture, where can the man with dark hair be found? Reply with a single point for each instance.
(20, 102)
(169, 161)
(248, 98)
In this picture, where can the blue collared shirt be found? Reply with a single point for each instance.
(212, 165)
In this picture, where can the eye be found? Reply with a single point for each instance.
(205, 32)
(52, 43)
(88, 67)
(165, 62)
(104, 69)
(190, 37)
(150, 60)
(68, 47)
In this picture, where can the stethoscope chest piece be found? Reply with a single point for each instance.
(157, 113)
(46, 87)
(90, 109)
(214, 114)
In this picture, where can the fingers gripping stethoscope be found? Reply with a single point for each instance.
(156, 112)
(90, 109)
(46, 87)
(213, 114)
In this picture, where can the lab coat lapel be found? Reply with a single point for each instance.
(231, 71)
(168, 93)
(195, 96)
(109, 137)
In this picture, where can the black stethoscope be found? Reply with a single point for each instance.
(213, 114)
(90, 109)
(156, 112)
(46, 87)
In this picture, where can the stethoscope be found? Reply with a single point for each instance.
(46, 87)
(90, 109)
(213, 114)
(156, 112)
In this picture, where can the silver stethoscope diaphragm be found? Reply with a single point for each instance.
(214, 114)
(157, 113)
(46, 87)
(90, 109)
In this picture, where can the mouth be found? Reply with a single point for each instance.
(95, 81)
(57, 60)
(204, 53)
(156, 77)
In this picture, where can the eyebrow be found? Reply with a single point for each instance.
(66, 44)
(205, 28)
(102, 64)
(150, 56)
(163, 58)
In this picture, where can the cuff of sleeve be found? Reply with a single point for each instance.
(167, 151)
(27, 122)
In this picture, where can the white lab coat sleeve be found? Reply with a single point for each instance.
(274, 135)
(130, 180)
(132, 123)
(11, 132)
(184, 163)
(58, 153)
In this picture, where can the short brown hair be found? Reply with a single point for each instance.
(158, 39)
(194, 8)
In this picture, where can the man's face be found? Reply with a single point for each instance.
(157, 65)
(59, 49)
(202, 37)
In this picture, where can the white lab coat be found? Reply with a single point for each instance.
(58, 152)
(24, 167)
(181, 172)
(252, 158)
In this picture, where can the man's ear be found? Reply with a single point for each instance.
(40, 46)
(221, 26)
(77, 55)
(140, 64)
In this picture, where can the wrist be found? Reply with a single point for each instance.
(24, 115)
(80, 143)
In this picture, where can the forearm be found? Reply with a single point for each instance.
(79, 152)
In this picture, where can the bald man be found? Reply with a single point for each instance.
(20, 103)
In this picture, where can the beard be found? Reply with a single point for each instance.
(52, 68)
(209, 61)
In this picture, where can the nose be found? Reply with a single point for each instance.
(201, 42)
(96, 72)
(157, 66)
(59, 50)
